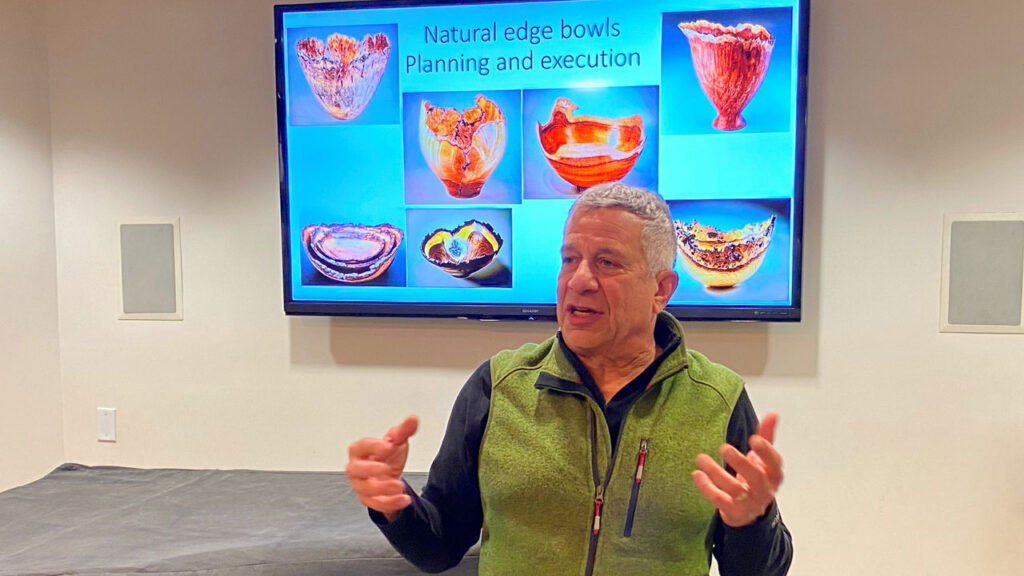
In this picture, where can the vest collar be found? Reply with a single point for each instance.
(559, 373)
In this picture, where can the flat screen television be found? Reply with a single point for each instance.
(430, 150)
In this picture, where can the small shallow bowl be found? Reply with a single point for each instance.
(351, 253)
(464, 250)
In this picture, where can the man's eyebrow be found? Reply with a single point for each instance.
(600, 251)
(610, 251)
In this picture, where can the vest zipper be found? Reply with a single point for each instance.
(638, 477)
(599, 487)
(598, 496)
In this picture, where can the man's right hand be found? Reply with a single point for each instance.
(375, 469)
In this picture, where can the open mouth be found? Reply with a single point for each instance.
(581, 311)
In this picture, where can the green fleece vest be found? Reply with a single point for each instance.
(545, 443)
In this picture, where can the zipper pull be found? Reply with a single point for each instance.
(598, 503)
(641, 457)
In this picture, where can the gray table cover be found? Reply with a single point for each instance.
(108, 521)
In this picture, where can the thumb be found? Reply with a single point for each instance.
(400, 434)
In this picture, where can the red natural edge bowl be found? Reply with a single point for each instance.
(730, 62)
(351, 253)
(344, 73)
(463, 148)
(589, 150)
(464, 250)
(719, 259)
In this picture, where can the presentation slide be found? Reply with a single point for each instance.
(431, 152)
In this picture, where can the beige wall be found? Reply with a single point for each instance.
(30, 401)
(903, 445)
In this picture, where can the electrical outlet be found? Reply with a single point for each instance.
(106, 424)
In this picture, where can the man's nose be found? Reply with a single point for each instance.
(582, 279)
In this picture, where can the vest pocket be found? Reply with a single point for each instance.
(634, 494)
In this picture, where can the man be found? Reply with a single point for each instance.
(576, 455)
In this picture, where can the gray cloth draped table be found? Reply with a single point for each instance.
(107, 521)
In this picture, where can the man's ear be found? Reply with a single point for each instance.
(667, 280)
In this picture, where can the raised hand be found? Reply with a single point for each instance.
(746, 497)
(375, 468)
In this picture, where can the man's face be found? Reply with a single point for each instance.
(607, 299)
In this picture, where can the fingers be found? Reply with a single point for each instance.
(385, 496)
(383, 448)
(769, 457)
(738, 502)
(735, 510)
(376, 488)
(400, 434)
(370, 449)
(715, 495)
(361, 469)
(375, 466)
(380, 488)
(388, 505)
(750, 472)
(742, 499)
(767, 427)
(721, 480)
(762, 445)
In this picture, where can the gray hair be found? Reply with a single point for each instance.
(659, 234)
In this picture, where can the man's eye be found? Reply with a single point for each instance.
(606, 263)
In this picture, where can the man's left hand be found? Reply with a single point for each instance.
(743, 498)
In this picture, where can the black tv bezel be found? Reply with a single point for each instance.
(509, 311)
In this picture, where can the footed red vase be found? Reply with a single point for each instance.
(730, 63)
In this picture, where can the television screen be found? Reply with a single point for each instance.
(430, 151)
